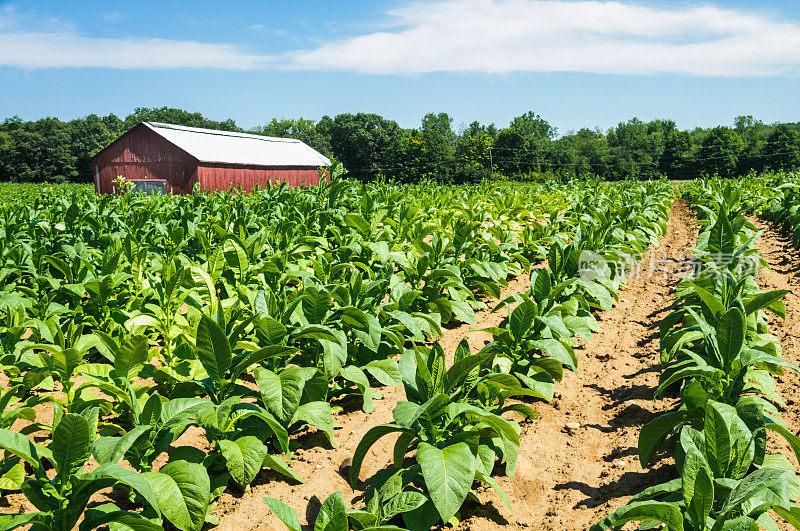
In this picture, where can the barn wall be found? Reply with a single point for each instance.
(142, 154)
(216, 176)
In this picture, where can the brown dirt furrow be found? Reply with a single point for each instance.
(783, 273)
(568, 479)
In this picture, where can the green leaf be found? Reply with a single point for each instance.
(8, 522)
(370, 438)
(458, 373)
(86, 484)
(714, 304)
(317, 414)
(463, 311)
(357, 376)
(131, 357)
(698, 488)
(243, 457)
(402, 503)
(766, 300)
(204, 285)
(542, 285)
(480, 476)
(112, 449)
(558, 350)
(236, 257)
(278, 465)
(332, 515)
(316, 304)
(522, 318)
(183, 491)
(655, 432)
(763, 479)
(259, 355)
(117, 519)
(71, 445)
(11, 476)
(791, 438)
(285, 513)
(730, 335)
(385, 371)
(282, 394)
(359, 223)
(665, 513)
(719, 442)
(448, 474)
(19, 445)
(213, 349)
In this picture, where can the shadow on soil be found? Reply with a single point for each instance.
(628, 484)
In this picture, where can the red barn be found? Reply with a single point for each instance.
(173, 158)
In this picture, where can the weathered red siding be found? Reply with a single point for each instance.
(216, 176)
(142, 154)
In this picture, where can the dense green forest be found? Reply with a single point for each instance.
(370, 145)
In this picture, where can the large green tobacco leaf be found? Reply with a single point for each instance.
(285, 513)
(777, 481)
(71, 445)
(558, 350)
(385, 371)
(448, 474)
(521, 319)
(655, 432)
(178, 411)
(357, 376)
(131, 357)
(116, 519)
(236, 257)
(721, 237)
(183, 491)
(112, 449)
(12, 475)
(19, 445)
(282, 393)
(698, 487)
(370, 438)
(730, 335)
(332, 515)
(84, 485)
(317, 414)
(279, 465)
(8, 522)
(665, 513)
(768, 299)
(213, 349)
(244, 458)
(458, 373)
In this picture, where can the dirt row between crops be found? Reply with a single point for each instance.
(784, 273)
(577, 460)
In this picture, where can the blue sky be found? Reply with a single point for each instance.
(591, 63)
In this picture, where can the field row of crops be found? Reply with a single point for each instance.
(127, 321)
(718, 355)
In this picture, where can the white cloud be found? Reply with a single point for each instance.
(35, 50)
(500, 36)
(483, 36)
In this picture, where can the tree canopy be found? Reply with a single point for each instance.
(370, 146)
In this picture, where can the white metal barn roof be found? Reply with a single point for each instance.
(209, 145)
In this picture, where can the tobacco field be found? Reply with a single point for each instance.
(376, 356)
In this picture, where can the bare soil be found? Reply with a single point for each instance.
(783, 272)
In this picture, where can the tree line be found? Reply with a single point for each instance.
(371, 146)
